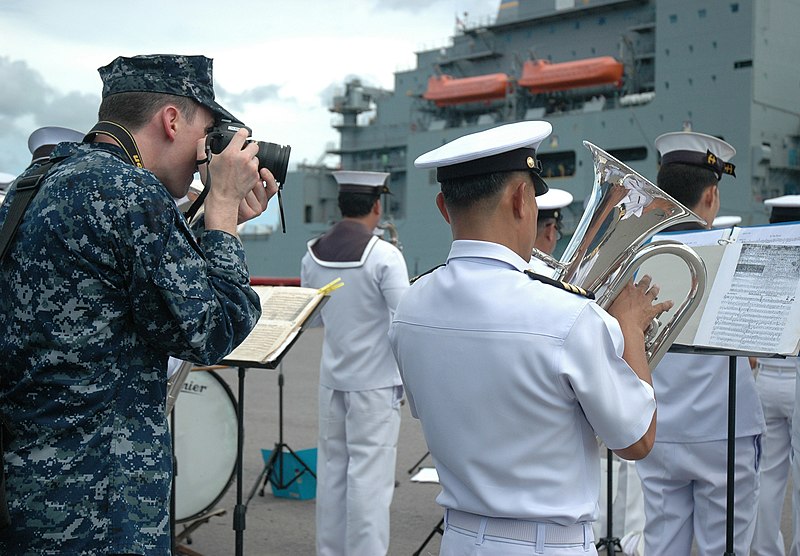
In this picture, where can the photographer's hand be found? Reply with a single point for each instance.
(255, 202)
(234, 175)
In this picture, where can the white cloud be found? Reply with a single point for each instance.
(276, 64)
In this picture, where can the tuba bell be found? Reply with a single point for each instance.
(625, 210)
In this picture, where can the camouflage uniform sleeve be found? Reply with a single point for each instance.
(195, 302)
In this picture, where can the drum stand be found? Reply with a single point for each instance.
(610, 542)
(276, 458)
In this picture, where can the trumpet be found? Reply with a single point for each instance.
(625, 210)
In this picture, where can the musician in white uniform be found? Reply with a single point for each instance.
(684, 477)
(513, 375)
(548, 227)
(44, 139)
(360, 388)
(776, 382)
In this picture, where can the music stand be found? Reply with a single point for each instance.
(277, 455)
(610, 542)
(240, 510)
(731, 441)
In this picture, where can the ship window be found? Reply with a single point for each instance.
(557, 165)
(577, 25)
(701, 13)
(308, 214)
(629, 154)
(743, 64)
(673, 18)
(734, 7)
(601, 21)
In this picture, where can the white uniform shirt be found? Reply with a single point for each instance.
(692, 392)
(511, 379)
(355, 352)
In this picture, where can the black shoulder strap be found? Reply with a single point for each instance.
(26, 189)
(417, 277)
(566, 286)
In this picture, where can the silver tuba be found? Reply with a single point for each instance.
(624, 211)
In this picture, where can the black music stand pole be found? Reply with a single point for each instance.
(610, 542)
(174, 480)
(731, 455)
(276, 458)
(240, 510)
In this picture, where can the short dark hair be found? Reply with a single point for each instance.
(133, 110)
(685, 183)
(543, 221)
(355, 205)
(462, 193)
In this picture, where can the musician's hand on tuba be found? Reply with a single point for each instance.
(636, 306)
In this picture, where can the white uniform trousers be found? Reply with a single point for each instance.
(356, 460)
(685, 496)
(776, 389)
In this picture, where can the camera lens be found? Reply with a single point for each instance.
(274, 158)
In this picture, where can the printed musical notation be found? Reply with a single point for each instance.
(752, 299)
(284, 309)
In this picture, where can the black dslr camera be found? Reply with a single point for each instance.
(274, 158)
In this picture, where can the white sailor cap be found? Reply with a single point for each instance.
(506, 148)
(785, 208)
(42, 141)
(696, 149)
(726, 221)
(551, 202)
(361, 182)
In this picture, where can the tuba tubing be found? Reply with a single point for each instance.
(612, 240)
(659, 336)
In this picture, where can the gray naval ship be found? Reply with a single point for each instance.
(617, 73)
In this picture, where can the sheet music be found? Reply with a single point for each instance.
(696, 238)
(283, 311)
(756, 310)
(787, 234)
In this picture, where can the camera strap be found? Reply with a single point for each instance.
(195, 206)
(119, 134)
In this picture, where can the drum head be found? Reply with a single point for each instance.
(205, 444)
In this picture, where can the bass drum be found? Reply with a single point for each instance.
(205, 444)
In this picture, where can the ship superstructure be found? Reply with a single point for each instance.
(617, 73)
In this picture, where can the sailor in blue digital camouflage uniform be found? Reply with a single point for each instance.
(512, 375)
(103, 282)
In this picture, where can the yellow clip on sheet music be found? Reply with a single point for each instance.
(328, 288)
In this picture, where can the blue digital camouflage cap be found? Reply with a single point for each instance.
(186, 76)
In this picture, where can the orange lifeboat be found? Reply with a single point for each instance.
(445, 90)
(540, 76)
